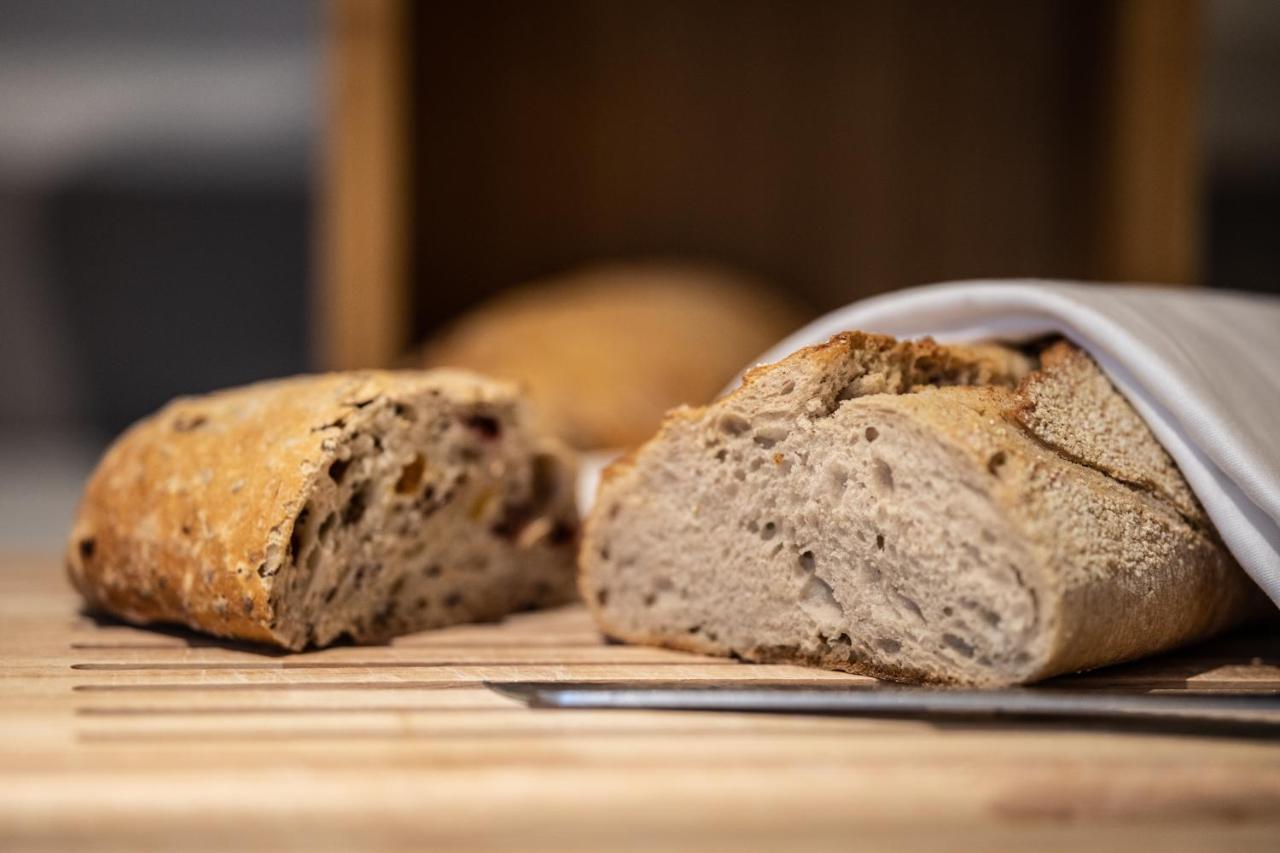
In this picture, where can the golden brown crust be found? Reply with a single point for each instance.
(913, 364)
(606, 350)
(190, 511)
(919, 362)
(1071, 406)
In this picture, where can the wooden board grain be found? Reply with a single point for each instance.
(121, 738)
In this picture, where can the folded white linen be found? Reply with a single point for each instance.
(1202, 367)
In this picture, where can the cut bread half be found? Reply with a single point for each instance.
(969, 515)
(345, 506)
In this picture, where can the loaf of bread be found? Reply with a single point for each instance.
(605, 351)
(352, 506)
(968, 515)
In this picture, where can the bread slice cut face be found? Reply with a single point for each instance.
(308, 510)
(970, 515)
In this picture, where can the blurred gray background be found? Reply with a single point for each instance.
(157, 173)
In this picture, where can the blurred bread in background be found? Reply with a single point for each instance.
(605, 350)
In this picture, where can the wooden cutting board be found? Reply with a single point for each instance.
(120, 738)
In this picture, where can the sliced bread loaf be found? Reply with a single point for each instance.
(300, 511)
(911, 511)
(605, 350)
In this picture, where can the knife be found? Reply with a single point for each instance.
(1251, 714)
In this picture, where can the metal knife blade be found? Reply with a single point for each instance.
(1256, 714)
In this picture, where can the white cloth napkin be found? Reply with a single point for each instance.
(1202, 368)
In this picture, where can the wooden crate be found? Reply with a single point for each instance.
(839, 149)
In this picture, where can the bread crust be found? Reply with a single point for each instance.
(605, 351)
(189, 515)
(926, 362)
(1124, 564)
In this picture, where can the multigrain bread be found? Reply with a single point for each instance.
(915, 512)
(605, 351)
(350, 505)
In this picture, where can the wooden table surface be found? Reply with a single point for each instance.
(123, 738)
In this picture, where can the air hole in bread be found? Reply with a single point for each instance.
(411, 475)
(338, 469)
(880, 541)
(87, 547)
(996, 461)
(721, 455)
(733, 424)
(768, 436)
(988, 615)
(768, 531)
(882, 476)
(807, 561)
(486, 425)
(326, 527)
(872, 433)
(356, 505)
(819, 601)
(407, 412)
(650, 599)
(890, 645)
(299, 529)
(910, 605)
(384, 616)
(563, 533)
(958, 645)
(544, 472)
(432, 571)
(602, 597)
